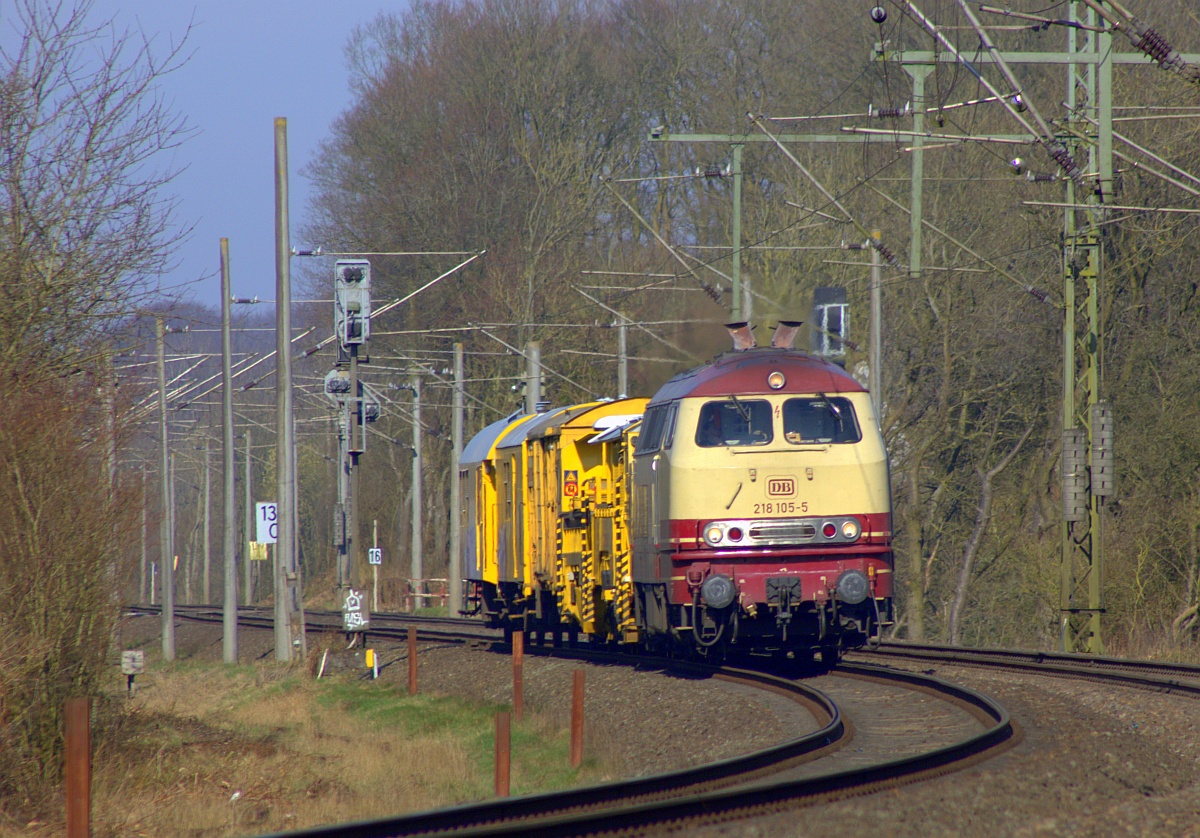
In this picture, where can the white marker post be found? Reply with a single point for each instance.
(375, 559)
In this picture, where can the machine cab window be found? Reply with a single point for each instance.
(658, 424)
(820, 419)
(734, 421)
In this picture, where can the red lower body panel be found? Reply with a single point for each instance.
(817, 572)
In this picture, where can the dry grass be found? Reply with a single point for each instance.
(209, 750)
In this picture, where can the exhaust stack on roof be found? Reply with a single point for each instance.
(743, 336)
(785, 333)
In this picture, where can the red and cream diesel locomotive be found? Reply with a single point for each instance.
(761, 505)
(749, 509)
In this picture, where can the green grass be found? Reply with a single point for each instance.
(301, 752)
(539, 747)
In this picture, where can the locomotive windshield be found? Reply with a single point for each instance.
(734, 421)
(820, 419)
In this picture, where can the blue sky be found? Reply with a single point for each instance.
(251, 61)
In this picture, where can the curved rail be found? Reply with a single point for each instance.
(740, 786)
(687, 795)
(1133, 673)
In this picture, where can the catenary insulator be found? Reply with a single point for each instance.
(1038, 293)
(886, 253)
(1064, 159)
(1102, 449)
(889, 113)
(1074, 475)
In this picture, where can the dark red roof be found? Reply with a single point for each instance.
(746, 372)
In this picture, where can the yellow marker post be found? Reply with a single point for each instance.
(372, 663)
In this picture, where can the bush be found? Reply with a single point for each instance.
(62, 526)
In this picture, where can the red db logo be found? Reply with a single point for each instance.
(780, 487)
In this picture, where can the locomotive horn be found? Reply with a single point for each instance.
(743, 336)
(785, 333)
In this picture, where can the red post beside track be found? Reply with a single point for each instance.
(79, 767)
(577, 719)
(412, 661)
(503, 754)
(518, 655)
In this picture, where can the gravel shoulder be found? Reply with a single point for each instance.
(1094, 761)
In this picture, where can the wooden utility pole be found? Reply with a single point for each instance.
(289, 606)
(166, 546)
(622, 359)
(248, 595)
(875, 361)
(229, 639)
(418, 560)
(142, 590)
(533, 375)
(454, 568)
(207, 541)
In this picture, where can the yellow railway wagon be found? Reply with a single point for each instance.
(549, 546)
(477, 514)
(580, 550)
(511, 593)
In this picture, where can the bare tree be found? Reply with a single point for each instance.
(84, 228)
(84, 222)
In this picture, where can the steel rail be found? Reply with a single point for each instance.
(455, 629)
(1152, 675)
(737, 787)
(639, 805)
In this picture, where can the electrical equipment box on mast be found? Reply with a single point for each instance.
(830, 323)
(351, 304)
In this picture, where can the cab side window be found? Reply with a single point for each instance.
(820, 420)
(653, 424)
(734, 422)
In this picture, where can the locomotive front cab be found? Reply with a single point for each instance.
(765, 479)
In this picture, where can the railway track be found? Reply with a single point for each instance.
(776, 779)
(1158, 676)
(389, 625)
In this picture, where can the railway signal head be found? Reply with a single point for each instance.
(352, 301)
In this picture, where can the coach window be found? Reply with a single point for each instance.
(820, 420)
(734, 421)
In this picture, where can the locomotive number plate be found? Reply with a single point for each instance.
(781, 487)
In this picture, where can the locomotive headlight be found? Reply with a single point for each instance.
(718, 591)
(776, 380)
(852, 587)
(850, 530)
(714, 534)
